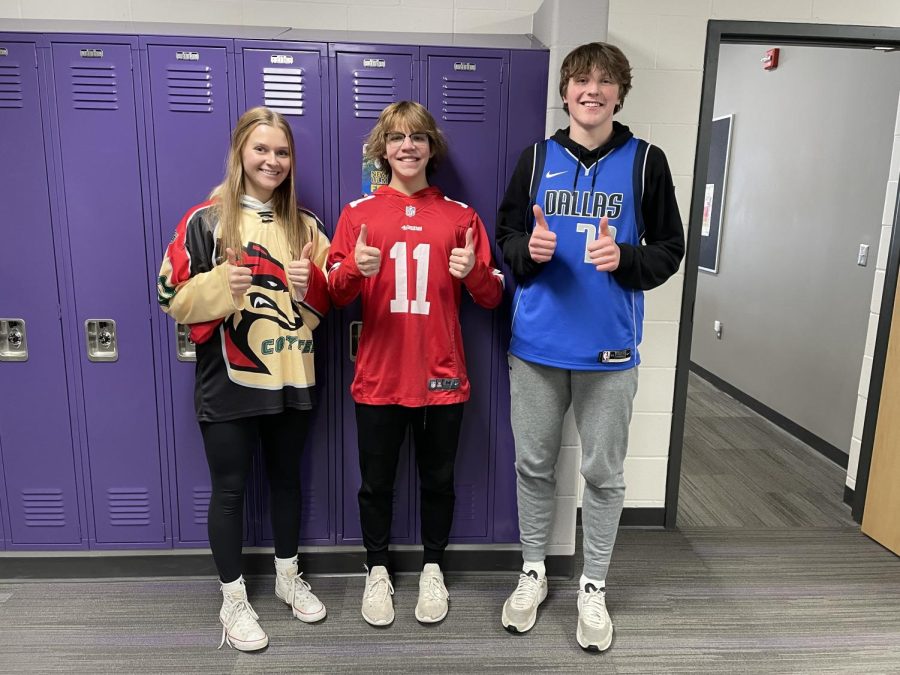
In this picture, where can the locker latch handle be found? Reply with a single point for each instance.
(355, 330)
(13, 344)
(187, 350)
(102, 344)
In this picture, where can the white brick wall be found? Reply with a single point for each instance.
(428, 16)
(887, 222)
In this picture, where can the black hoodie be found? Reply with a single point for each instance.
(641, 267)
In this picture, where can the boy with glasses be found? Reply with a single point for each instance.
(589, 221)
(408, 250)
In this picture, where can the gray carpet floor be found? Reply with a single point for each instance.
(734, 593)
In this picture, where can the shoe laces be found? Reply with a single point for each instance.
(300, 588)
(432, 587)
(377, 590)
(526, 592)
(239, 618)
(593, 607)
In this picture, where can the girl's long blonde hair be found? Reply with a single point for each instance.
(284, 200)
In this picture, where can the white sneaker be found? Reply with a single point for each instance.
(433, 596)
(377, 605)
(520, 608)
(239, 622)
(295, 591)
(595, 629)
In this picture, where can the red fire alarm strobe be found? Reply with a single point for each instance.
(770, 60)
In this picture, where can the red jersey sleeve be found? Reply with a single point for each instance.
(344, 278)
(484, 282)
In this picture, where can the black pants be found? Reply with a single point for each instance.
(381, 430)
(229, 453)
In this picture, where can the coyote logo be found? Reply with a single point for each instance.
(260, 305)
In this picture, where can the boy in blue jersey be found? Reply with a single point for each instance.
(589, 221)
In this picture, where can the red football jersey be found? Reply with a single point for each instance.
(410, 349)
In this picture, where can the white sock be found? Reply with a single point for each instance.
(538, 567)
(232, 586)
(598, 584)
(285, 564)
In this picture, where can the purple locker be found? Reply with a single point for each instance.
(527, 84)
(38, 462)
(366, 79)
(191, 105)
(288, 77)
(464, 92)
(96, 104)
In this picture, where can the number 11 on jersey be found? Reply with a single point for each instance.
(400, 304)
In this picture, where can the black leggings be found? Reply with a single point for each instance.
(229, 453)
(381, 430)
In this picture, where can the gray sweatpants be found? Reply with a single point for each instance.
(602, 403)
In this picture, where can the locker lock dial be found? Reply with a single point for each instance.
(101, 340)
(13, 346)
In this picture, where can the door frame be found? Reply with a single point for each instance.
(774, 33)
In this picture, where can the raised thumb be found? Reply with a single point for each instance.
(539, 220)
(604, 226)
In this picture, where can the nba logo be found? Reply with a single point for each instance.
(410, 211)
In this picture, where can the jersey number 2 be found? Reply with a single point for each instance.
(590, 232)
(400, 304)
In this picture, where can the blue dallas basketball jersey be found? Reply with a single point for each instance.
(569, 315)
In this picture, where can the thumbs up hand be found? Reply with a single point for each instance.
(542, 243)
(298, 273)
(462, 260)
(239, 277)
(368, 258)
(603, 251)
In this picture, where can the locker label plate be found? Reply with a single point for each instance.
(374, 63)
(281, 58)
(187, 56)
(91, 53)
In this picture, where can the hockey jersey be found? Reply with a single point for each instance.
(255, 354)
(410, 348)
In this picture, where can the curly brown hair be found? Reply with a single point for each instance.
(409, 117)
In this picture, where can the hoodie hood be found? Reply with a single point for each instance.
(620, 136)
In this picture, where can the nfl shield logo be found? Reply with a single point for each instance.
(410, 211)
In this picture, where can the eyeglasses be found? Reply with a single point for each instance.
(397, 138)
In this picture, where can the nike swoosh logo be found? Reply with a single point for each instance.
(554, 174)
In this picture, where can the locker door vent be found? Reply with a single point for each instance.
(372, 92)
(94, 87)
(128, 506)
(463, 100)
(11, 86)
(190, 88)
(201, 505)
(44, 508)
(283, 90)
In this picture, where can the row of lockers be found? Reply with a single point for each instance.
(106, 141)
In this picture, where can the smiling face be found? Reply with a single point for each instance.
(266, 158)
(592, 99)
(407, 153)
